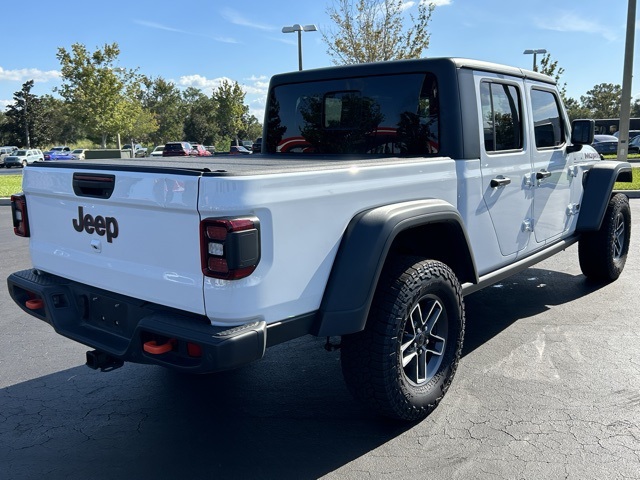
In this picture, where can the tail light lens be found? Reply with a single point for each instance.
(19, 215)
(230, 247)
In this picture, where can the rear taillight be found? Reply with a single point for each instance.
(230, 247)
(19, 215)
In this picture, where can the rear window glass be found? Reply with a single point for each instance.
(174, 146)
(385, 115)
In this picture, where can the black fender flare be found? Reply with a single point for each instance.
(597, 192)
(362, 254)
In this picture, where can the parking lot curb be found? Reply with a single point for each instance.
(5, 201)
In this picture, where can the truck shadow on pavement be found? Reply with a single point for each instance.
(287, 416)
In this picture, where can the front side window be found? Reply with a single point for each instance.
(501, 116)
(547, 120)
(385, 115)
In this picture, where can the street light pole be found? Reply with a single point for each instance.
(627, 75)
(299, 29)
(535, 53)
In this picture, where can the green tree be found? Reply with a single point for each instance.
(576, 110)
(164, 100)
(551, 68)
(374, 30)
(28, 124)
(200, 122)
(635, 108)
(603, 100)
(230, 110)
(63, 128)
(94, 88)
(5, 130)
(251, 127)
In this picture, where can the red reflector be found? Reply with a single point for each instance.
(194, 350)
(218, 265)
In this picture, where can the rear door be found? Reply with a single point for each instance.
(134, 232)
(552, 171)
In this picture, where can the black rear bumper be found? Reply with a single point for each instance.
(136, 331)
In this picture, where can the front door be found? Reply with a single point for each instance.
(505, 162)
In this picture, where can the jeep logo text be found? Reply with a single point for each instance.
(101, 225)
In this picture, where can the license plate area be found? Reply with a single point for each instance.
(105, 313)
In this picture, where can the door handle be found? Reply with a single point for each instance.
(500, 181)
(543, 174)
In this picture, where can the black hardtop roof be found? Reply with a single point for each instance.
(406, 66)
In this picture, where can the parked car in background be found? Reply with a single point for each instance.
(157, 152)
(177, 149)
(198, 150)
(5, 151)
(248, 144)
(605, 144)
(56, 155)
(257, 145)
(211, 149)
(238, 150)
(140, 151)
(632, 134)
(78, 153)
(21, 158)
(634, 144)
(57, 151)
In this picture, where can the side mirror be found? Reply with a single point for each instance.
(582, 132)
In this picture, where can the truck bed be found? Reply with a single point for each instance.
(233, 166)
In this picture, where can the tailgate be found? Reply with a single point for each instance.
(130, 232)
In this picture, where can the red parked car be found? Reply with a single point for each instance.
(199, 150)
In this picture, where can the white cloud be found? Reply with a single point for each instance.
(571, 22)
(237, 18)
(5, 103)
(255, 88)
(203, 83)
(438, 3)
(25, 74)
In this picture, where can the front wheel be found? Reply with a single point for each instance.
(24, 163)
(403, 362)
(603, 254)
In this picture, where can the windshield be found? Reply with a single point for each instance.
(389, 115)
(21, 153)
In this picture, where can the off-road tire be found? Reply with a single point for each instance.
(602, 254)
(382, 364)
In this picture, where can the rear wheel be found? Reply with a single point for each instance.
(403, 362)
(603, 254)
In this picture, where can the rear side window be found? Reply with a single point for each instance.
(384, 115)
(547, 120)
(501, 116)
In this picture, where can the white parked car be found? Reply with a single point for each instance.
(21, 158)
(157, 152)
(78, 153)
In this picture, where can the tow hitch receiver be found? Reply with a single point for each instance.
(103, 361)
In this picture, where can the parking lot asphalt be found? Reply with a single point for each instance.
(548, 387)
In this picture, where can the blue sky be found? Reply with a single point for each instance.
(198, 43)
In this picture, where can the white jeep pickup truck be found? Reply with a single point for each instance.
(384, 194)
